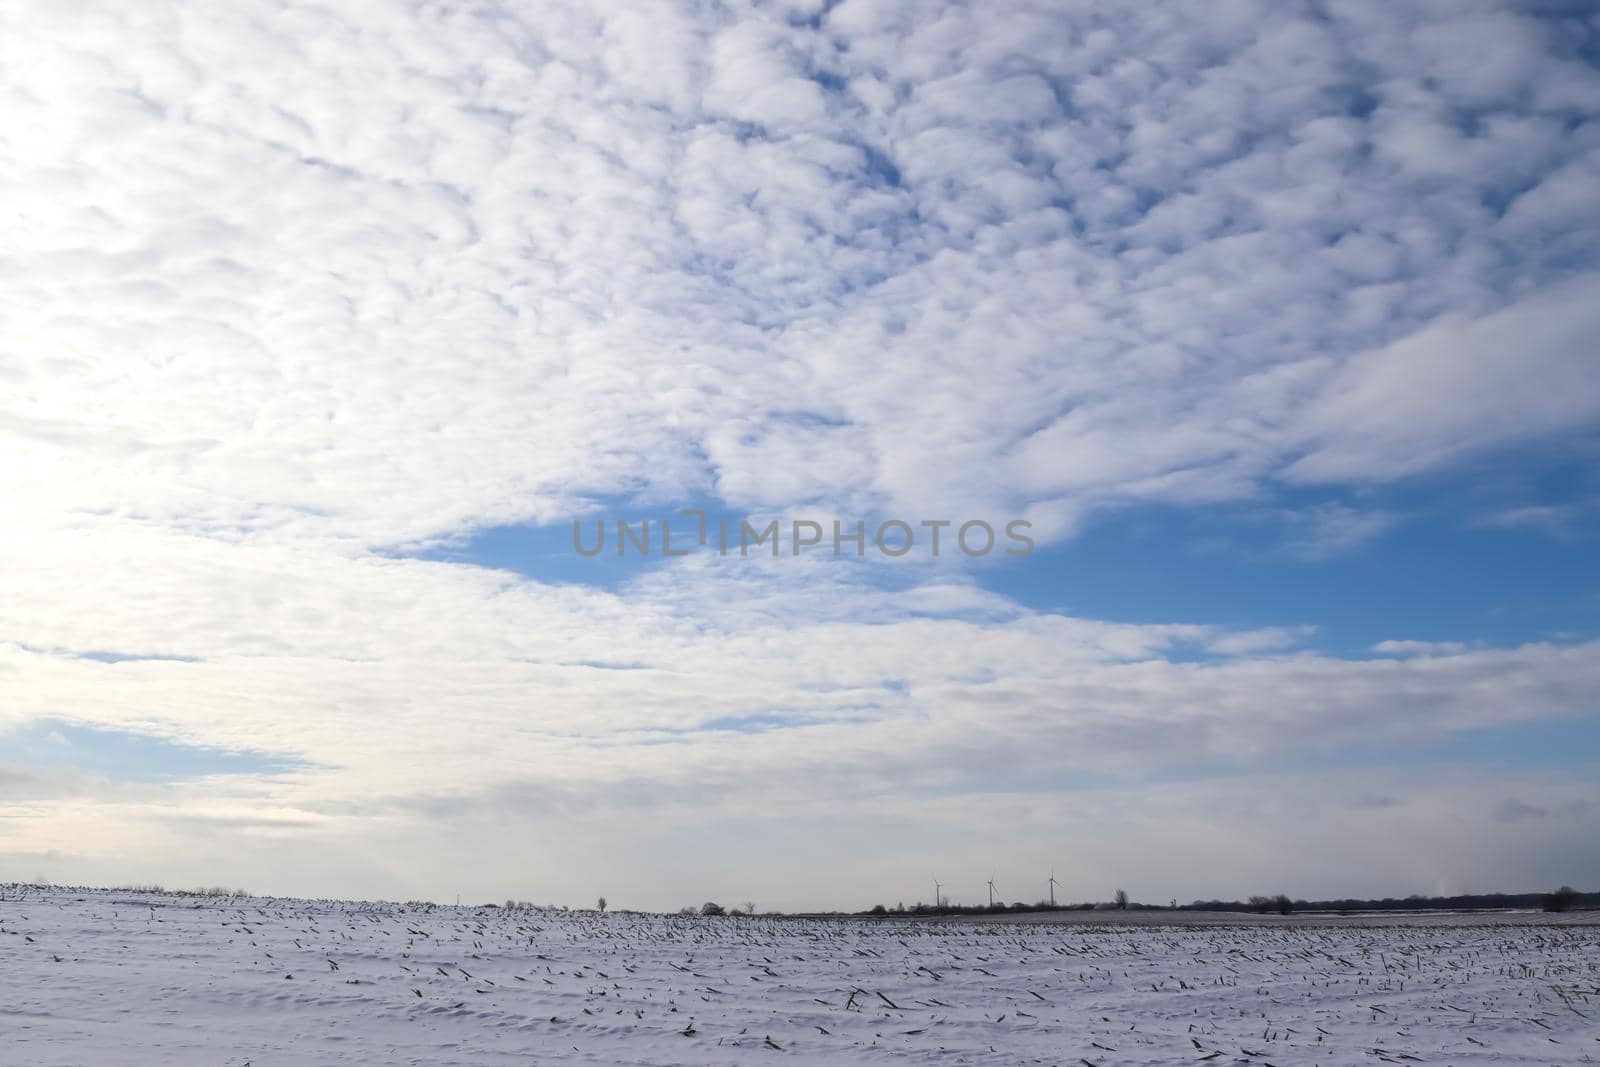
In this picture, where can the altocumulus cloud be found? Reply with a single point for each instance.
(286, 285)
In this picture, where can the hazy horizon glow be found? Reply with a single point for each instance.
(322, 324)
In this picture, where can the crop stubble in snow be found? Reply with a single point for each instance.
(106, 978)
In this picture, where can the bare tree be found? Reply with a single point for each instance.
(1122, 899)
(1279, 903)
(1561, 899)
(602, 903)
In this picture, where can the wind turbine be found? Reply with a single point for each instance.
(936, 887)
(1053, 884)
(991, 891)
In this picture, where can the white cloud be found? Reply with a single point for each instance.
(1270, 639)
(485, 270)
(1561, 521)
(1329, 529)
(1419, 648)
(401, 678)
(1458, 386)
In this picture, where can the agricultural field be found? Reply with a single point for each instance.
(115, 977)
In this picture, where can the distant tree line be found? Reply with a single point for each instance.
(1559, 900)
(998, 907)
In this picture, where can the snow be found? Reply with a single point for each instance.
(109, 978)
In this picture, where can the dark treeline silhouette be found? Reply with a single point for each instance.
(1560, 900)
(997, 908)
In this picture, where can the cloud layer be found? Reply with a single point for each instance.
(283, 287)
(488, 267)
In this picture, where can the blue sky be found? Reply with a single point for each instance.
(122, 755)
(1444, 566)
(1275, 321)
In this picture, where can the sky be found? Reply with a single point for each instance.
(330, 331)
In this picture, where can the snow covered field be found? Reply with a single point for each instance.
(105, 978)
